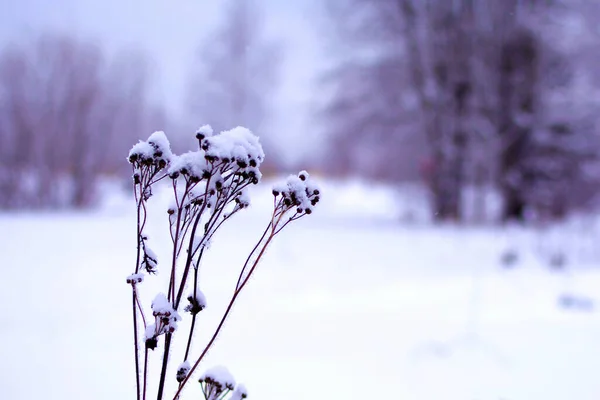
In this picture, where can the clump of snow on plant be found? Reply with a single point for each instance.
(238, 144)
(239, 393)
(204, 131)
(150, 331)
(135, 278)
(298, 191)
(197, 302)
(165, 313)
(182, 371)
(142, 150)
(162, 148)
(219, 376)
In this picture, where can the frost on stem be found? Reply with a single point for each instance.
(149, 258)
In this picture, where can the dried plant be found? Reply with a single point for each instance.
(210, 185)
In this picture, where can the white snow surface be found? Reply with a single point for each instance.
(349, 294)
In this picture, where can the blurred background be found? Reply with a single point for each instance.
(457, 142)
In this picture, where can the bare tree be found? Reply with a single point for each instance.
(418, 85)
(236, 72)
(480, 82)
(66, 115)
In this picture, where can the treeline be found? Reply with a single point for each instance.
(490, 94)
(66, 111)
(69, 113)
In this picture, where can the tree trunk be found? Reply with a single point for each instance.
(517, 96)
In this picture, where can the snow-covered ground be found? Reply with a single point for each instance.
(348, 304)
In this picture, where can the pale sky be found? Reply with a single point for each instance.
(170, 31)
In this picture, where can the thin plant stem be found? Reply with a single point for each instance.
(224, 318)
(134, 295)
(137, 300)
(136, 348)
(163, 370)
(193, 325)
(145, 372)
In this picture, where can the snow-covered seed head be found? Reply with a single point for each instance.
(134, 279)
(204, 132)
(196, 304)
(151, 343)
(303, 175)
(241, 164)
(182, 371)
(141, 153)
(161, 148)
(166, 316)
(239, 393)
(132, 158)
(298, 193)
(218, 378)
(150, 337)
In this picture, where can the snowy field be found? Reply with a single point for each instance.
(348, 304)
